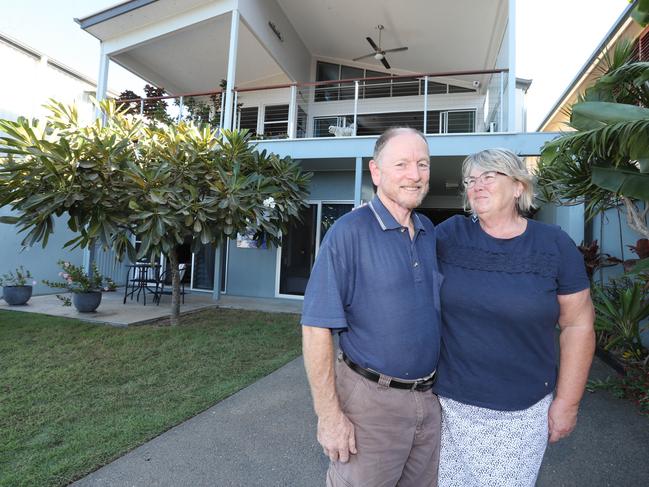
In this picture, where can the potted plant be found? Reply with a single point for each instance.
(86, 287)
(17, 288)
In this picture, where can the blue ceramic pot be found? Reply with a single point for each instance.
(16, 295)
(86, 302)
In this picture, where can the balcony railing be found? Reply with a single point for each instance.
(435, 103)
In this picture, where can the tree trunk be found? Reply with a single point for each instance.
(175, 287)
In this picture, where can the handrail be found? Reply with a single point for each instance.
(166, 97)
(323, 83)
(375, 78)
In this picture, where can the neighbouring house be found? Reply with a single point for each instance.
(318, 81)
(609, 228)
(31, 78)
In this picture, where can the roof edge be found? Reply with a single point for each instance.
(613, 31)
(111, 12)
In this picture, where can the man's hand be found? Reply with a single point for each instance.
(336, 435)
(562, 418)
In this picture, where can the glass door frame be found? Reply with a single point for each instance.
(191, 277)
(278, 265)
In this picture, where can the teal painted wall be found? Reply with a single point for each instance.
(569, 218)
(41, 262)
(252, 272)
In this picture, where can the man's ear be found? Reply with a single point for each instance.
(375, 171)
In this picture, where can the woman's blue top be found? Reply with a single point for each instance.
(499, 311)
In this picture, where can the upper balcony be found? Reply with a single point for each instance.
(293, 69)
(435, 103)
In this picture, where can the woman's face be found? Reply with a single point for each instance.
(493, 193)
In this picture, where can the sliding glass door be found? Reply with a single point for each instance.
(301, 243)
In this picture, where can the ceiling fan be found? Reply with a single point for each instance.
(379, 54)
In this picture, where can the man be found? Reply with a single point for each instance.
(375, 282)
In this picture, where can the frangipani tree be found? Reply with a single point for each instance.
(120, 177)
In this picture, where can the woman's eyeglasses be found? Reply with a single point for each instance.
(486, 178)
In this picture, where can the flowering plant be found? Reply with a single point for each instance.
(77, 280)
(20, 278)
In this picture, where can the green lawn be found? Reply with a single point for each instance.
(74, 396)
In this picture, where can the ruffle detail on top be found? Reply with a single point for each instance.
(539, 263)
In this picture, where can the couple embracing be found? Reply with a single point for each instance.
(446, 373)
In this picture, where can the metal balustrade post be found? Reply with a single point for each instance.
(425, 104)
(355, 107)
(141, 107)
(221, 114)
(292, 113)
(180, 110)
(235, 114)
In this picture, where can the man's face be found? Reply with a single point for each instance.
(402, 171)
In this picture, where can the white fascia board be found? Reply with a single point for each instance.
(523, 144)
(167, 26)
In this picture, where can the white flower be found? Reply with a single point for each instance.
(269, 202)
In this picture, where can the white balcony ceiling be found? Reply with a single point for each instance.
(441, 35)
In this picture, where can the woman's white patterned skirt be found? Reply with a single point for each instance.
(488, 448)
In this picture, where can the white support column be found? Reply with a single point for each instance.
(511, 78)
(358, 181)
(355, 107)
(102, 79)
(292, 113)
(232, 68)
(102, 88)
(501, 112)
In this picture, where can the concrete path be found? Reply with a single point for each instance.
(265, 436)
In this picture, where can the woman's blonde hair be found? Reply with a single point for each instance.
(506, 162)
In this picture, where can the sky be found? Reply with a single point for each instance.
(554, 38)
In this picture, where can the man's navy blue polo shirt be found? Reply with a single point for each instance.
(380, 290)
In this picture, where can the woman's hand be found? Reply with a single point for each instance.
(562, 418)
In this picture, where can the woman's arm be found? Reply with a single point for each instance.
(577, 345)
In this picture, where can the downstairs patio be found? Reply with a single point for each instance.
(113, 311)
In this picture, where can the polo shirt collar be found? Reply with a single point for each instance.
(387, 221)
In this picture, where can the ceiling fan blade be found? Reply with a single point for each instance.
(363, 57)
(372, 43)
(385, 62)
(396, 49)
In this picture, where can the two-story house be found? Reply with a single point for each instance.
(319, 81)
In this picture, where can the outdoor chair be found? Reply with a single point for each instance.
(163, 286)
(139, 278)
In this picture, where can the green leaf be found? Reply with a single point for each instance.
(623, 182)
(640, 266)
(606, 112)
(641, 13)
(11, 220)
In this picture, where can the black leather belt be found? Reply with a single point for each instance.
(420, 385)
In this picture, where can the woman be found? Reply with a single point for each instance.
(508, 281)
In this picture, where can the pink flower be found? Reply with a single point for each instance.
(65, 275)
